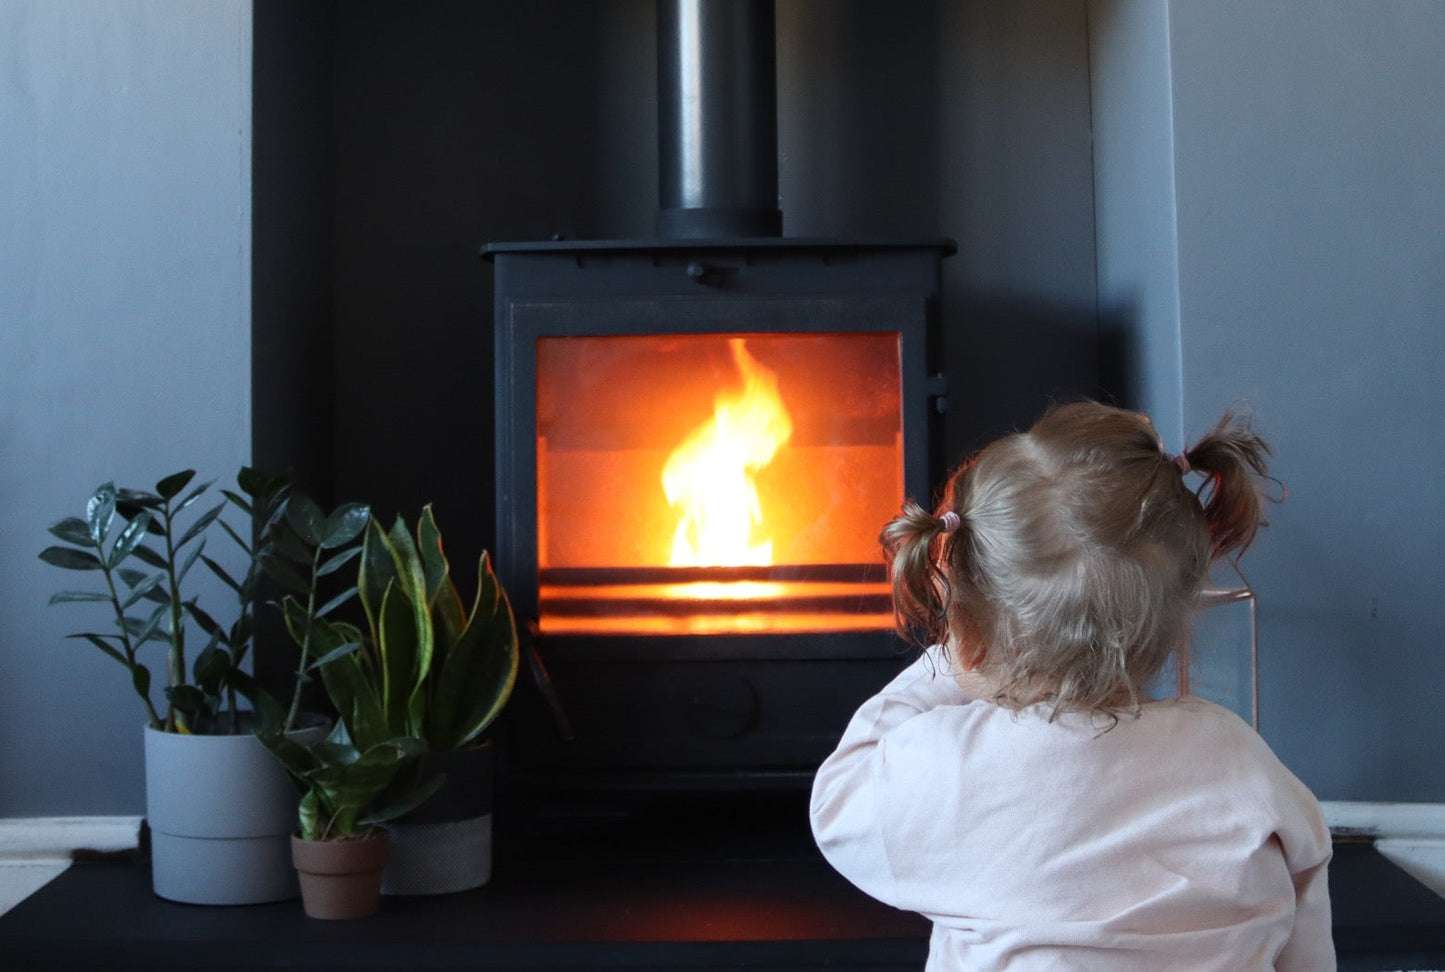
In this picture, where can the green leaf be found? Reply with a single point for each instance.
(220, 572)
(263, 703)
(190, 561)
(200, 525)
(337, 562)
(68, 597)
(239, 501)
(74, 530)
(149, 557)
(207, 623)
(211, 667)
(378, 570)
(341, 651)
(70, 558)
(335, 602)
(140, 679)
(146, 586)
(171, 486)
(286, 542)
(195, 495)
(128, 540)
(480, 670)
(441, 594)
(99, 512)
(285, 576)
(104, 646)
(306, 518)
(344, 525)
(189, 700)
(240, 542)
(399, 655)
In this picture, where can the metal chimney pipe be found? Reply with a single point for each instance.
(717, 119)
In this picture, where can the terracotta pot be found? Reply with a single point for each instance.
(340, 878)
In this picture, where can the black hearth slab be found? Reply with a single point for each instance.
(597, 914)
(612, 915)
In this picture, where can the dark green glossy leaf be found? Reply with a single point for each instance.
(190, 561)
(74, 530)
(199, 527)
(70, 558)
(149, 557)
(286, 542)
(128, 540)
(140, 679)
(337, 562)
(100, 512)
(70, 597)
(306, 518)
(336, 602)
(340, 651)
(205, 621)
(211, 667)
(240, 542)
(480, 671)
(220, 572)
(344, 525)
(188, 699)
(285, 576)
(146, 586)
(194, 495)
(378, 570)
(446, 604)
(171, 486)
(105, 646)
(239, 501)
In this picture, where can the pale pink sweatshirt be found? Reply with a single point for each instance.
(1173, 841)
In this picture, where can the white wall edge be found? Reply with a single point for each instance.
(1418, 821)
(32, 839)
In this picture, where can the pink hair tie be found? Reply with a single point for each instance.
(1182, 461)
(950, 521)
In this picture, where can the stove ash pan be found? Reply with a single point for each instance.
(697, 444)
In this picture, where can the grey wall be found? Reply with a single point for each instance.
(1303, 151)
(124, 336)
(1266, 209)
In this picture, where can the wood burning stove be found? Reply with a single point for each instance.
(698, 439)
(697, 444)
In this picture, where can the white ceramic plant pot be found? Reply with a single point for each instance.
(445, 845)
(221, 811)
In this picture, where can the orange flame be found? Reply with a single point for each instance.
(709, 477)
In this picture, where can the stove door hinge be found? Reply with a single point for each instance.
(936, 387)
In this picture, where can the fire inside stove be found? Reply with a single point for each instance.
(716, 483)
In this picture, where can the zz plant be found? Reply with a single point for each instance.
(144, 544)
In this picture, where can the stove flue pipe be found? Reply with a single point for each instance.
(717, 119)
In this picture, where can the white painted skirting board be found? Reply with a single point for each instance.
(35, 839)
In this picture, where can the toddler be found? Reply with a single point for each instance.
(1015, 784)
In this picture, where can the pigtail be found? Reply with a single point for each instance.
(919, 585)
(1233, 459)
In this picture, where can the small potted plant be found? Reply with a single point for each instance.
(218, 808)
(349, 786)
(432, 668)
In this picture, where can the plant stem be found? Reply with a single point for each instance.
(125, 642)
(295, 708)
(176, 657)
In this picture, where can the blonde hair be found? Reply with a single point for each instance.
(1071, 571)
